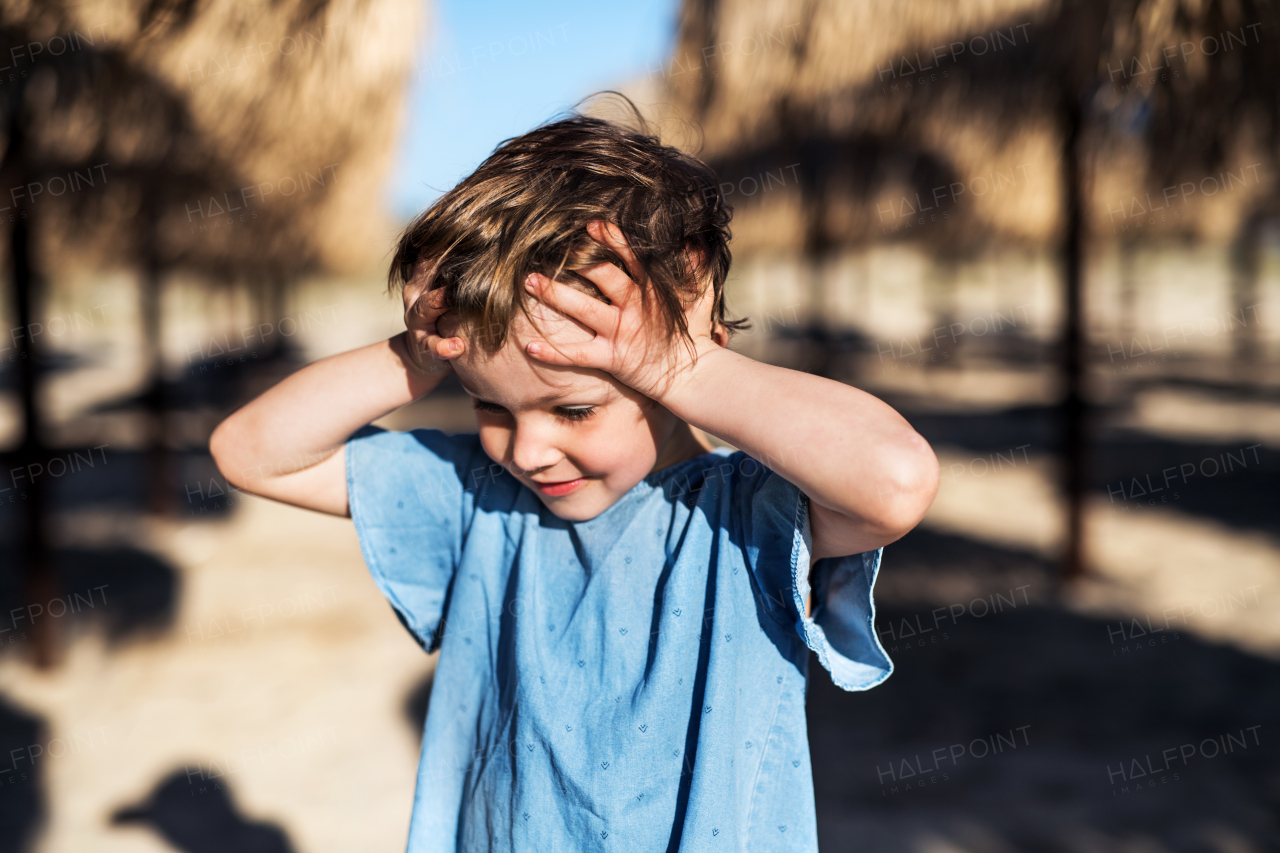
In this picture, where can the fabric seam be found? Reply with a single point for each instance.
(872, 575)
(807, 627)
(801, 527)
(787, 626)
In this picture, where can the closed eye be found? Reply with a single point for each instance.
(575, 413)
(568, 413)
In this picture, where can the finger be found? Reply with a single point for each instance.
(700, 309)
(445, 348)
(426, 310)
(588, 310)
(611, 235)
(567, 355)
(419, 281)
(430, 305)
(613, 282)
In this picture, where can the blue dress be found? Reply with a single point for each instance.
(634, 682)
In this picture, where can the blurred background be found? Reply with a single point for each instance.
(1046, 232)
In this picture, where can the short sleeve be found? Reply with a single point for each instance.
(408, 498)
(774, 515)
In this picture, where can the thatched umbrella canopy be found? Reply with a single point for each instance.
(884, 108)
(1199, 85)
(873, 101)
(960, 104)
(244, 140)
(204, 113)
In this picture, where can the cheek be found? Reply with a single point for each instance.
(624, 447)
(494, 439)
(602, 450)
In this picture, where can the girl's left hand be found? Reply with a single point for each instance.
(630, 342)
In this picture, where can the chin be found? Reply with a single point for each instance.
(574, 510)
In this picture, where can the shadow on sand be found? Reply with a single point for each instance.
(197, 815)
(124, 592)
(22, 803)
(1068, 733)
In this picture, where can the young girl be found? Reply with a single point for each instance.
(623, 613)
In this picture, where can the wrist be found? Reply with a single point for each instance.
(687, 375)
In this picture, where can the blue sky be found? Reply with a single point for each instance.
(492, 70)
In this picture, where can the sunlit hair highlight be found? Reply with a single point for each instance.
(527, 207)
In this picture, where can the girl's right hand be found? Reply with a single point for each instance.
(423, 308)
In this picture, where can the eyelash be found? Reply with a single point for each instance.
(578, 414)
(571, 415)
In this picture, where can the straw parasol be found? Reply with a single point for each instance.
(961, 104)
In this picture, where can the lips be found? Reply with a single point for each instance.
(556, 490)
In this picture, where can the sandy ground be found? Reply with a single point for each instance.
(283, 681)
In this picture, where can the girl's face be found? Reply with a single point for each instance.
(577, 437)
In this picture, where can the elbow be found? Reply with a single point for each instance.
(909, 488)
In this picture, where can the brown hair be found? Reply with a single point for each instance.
(526, 209)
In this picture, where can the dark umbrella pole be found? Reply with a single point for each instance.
(39, 586)
(1074, 414)
(159, 461)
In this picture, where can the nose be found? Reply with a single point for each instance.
(533, 447)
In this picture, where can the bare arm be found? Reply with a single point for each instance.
(287, 444)
(869, 476)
